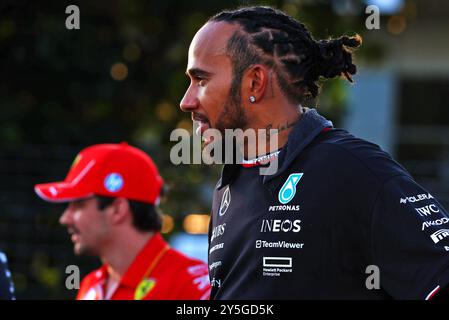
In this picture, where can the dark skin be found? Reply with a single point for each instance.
(207, 98)
(286, 126)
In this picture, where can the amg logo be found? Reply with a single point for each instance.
(218, 231)
(278, 244)
(438, 222)
(427, 210)
(417, 198)
(277, 225)
(439, 235)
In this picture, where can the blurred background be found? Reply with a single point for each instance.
(120, 77)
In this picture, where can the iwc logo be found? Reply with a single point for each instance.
(225, 202)
(288, 190)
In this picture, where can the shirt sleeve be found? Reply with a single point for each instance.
(410, 240)
(6, 284)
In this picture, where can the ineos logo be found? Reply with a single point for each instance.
(277, 225)
(225, 202)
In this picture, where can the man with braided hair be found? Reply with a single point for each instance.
(339, 218)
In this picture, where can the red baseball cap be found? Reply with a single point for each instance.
(114, 170)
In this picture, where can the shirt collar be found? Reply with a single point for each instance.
(309, 126)
(261, 160)
(136, 271)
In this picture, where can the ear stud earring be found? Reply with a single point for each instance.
(252, 99)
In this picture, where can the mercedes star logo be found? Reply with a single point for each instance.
(225, 202)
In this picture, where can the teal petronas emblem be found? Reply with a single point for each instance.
(288, 190)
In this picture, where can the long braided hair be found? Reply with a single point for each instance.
(284, 44)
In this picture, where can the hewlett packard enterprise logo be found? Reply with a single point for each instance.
(276, 266)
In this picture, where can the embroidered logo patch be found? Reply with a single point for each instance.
(144, 287)
(113, 182)
(225, 202)
(288, 190)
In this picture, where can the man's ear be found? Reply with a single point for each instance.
(119, 211)
(255, 82)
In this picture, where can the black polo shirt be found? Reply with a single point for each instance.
(340, 219)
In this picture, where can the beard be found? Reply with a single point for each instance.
(232, 117)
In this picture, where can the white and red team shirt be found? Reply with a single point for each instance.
(157, 273)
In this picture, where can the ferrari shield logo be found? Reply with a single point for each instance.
(144, 287)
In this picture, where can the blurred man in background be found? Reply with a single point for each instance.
(339, 219)
(113, 192)
(6, 285)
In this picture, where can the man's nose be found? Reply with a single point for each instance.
(190, 101)
(66, 217)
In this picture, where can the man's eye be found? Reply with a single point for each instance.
(200, 81)
(77, 204)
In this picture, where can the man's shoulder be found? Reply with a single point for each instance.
(189, 274)
(89, 281)
(340, 149)
(93, 277)
(343, 141)
(184, 263)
